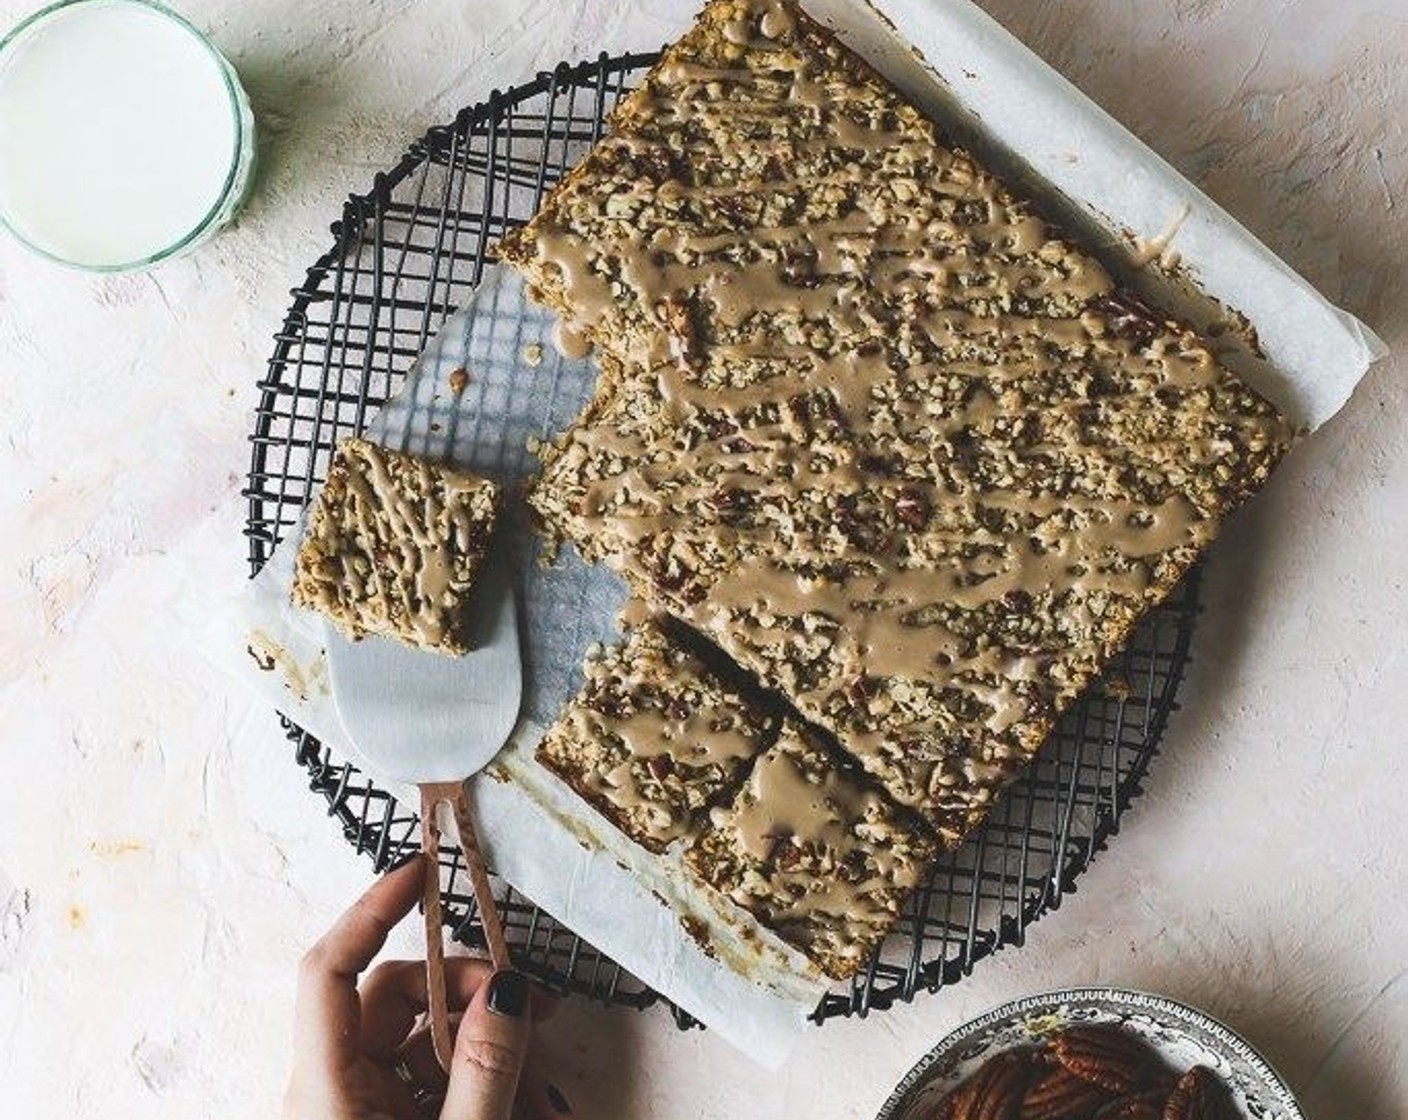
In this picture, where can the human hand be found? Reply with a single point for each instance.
(359, 1054)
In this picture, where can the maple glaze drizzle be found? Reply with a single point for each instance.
(821, 866)
(1002, 304)
(413, 533)
(672, 733)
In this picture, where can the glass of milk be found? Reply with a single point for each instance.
(125, 137)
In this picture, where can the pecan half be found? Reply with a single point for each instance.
(1199, 1095)
(994, 1091)
(1129, 317)
(944, 1110)
(1147, 1105)
(1109, 1057)
(1061, 1095)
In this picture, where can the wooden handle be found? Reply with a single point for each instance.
(432, 795)
(434, 929)
(479, 877)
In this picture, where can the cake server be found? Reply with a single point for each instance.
(434, 721)
(489, 378)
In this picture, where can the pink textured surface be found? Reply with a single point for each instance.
(158, 889)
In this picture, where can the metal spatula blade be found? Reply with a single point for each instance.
(419, 717)
(492, 369)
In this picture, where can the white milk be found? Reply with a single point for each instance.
(122, 134)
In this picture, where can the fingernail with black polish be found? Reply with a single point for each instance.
(508, 993)
(557, 1100)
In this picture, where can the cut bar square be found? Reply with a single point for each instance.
(394, 545)
(653, 738)
(815, 851)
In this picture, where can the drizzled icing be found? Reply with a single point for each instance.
(653, 737)
(570, 343)
(814, 852)
(865, 420)
(393, 546)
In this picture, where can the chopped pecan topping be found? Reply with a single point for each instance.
(1129, 318)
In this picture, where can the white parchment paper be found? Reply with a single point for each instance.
(1091, 175)
(537, 834)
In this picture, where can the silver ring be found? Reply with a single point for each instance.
(419, 1093)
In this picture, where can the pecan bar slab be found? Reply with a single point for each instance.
(393, 546)
(868, 421)
(815, 851)
(653, 738)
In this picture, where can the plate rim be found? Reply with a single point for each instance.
(1134, 997)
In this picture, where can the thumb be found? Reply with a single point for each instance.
(490, 1048)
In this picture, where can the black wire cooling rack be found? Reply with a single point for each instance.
(404, 257)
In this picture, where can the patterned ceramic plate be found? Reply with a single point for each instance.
(1183, 1036)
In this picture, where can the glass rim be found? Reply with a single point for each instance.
(237, 101)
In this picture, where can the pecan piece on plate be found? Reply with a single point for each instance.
(1146, 1105)
(993, 1092)
(1105, 1055)
(1199, 1095)
(1062, 1095)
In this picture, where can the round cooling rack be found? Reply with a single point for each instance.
(405, 256)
